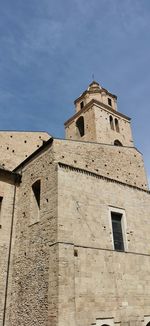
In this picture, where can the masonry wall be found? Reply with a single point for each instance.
(16, 146)
(89, 127)
(104, 133)
(120, 163)
(105, 283)
(7, 192)
(34, 288)
(97, 126)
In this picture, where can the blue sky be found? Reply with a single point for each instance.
(49, 50)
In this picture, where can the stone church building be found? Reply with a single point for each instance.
(75, 222)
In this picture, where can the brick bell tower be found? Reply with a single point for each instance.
(97, 119)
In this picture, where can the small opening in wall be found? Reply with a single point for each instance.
(81, 105)
(109, 101)
(117, 143)
(75, 252)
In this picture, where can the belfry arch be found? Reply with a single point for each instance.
(80, 126)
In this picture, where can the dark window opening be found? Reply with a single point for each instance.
(80, 126)
(75, 252)
(116, 219)
(111, 122)
(109, 101)
(117, 125)
(81, 105)
(36, 187)
(117, 143)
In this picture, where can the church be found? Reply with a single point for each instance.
(75, 222)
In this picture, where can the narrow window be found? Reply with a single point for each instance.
(81, 105)
(109, 101)
(80, 126)
(117, 125)
(116, 219)
(111, 122)
(35, 201)
(117, 143)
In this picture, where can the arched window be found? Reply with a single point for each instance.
(80, 126)
(117, 143)
(117, 125)
(111, 122)
(148, 324)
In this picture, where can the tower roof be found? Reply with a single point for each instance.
(94, 87)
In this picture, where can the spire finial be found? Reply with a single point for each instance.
(93, 77)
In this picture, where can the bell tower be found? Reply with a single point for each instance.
(97, 119)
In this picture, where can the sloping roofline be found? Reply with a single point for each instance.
(45, 144)
(88, 105)
(11, 174)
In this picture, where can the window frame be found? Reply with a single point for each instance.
(121, 211)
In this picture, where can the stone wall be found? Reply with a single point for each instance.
(34, 285)
(7, 192)
(105, 283)
(120, 163)
(104, 133)
(97, 126)
(16, 146)
(89, 127)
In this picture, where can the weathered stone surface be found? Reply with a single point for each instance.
(58, 263)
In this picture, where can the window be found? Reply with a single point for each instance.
(109, 101)
(116, 219)
(117, 125)
(117, 143)
(81, 105)
(80, 126)
(111, 122)
(35, 201)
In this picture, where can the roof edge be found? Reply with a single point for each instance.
(45, 144)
